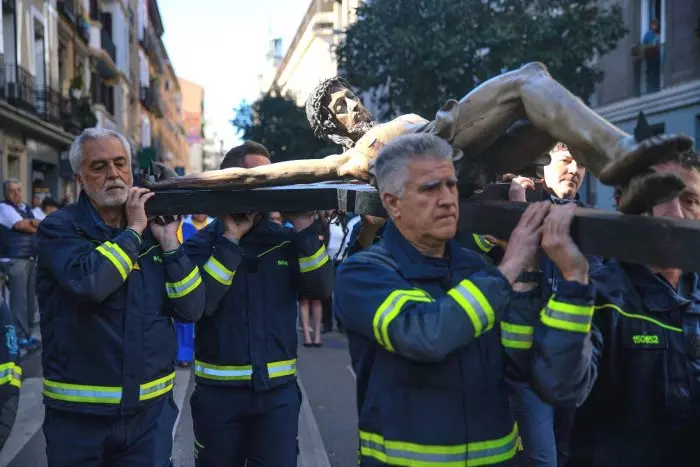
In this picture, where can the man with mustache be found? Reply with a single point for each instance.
(109, 283)
(422, 319)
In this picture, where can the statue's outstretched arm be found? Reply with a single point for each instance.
(281, 173)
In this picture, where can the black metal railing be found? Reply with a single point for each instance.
(108, 45)
(18, 87)
(48, 104)
(67, 7)
(70, 115)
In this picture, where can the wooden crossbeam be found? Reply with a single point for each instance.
(663, 242)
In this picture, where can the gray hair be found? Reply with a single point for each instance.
(390, 167)
(6, 185)
(75, 154)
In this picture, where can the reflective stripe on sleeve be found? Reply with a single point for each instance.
(395, 452)
(516, 336)
(117, 257)
(483, 244)
(11, 373)
(156, 388)
(389, 310)
(218, 271)
(313, 262)
(284, 368)
(185, 286)
(566, 316)
(475, 304)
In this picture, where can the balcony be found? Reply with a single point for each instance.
(649, 67)
(18, 87)
(67, 7)
(49, 104)
(102, 94)
(70, 116)
(108, 45)
(152, 100)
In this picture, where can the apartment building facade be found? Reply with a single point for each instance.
(72, 64)
(193, 121)
(657, 73)
(310, 57)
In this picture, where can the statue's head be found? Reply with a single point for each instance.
(336, 114)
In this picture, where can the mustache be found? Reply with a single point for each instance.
(571, 178)
(118, 184)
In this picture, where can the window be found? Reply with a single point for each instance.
(652, 35)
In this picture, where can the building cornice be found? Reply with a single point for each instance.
(682, 95)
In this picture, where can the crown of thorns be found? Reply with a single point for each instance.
(321, 120)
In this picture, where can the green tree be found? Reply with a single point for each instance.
(277, 122)
(422, 52)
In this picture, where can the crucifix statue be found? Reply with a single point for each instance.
(504, 125)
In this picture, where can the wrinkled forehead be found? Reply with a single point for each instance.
(103, 150)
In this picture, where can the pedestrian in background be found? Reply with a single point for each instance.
(185, 331)
(18, 252)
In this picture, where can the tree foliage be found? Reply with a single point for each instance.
(422, 52)
(278, 123)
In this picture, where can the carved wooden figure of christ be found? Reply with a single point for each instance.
(504, 125)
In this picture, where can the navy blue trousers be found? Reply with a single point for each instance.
(140, 440)
(234, 425)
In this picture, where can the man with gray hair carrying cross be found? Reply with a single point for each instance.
(109, 283)
(423, 319)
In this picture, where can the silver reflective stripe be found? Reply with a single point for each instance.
(307, 265)
(157, 387)
(213, 268)
(480, 312)
(570, 317)
(472, 454)
(8, 371)
(387, 310)
(514, 336)
(217, 372)
(272, 370)
(84, 393)
(118, 254)
(179, 289)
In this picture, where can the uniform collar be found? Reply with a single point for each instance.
(414, 265)
(91, 223)
(655, 292)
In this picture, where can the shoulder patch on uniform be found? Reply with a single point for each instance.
(11, 339)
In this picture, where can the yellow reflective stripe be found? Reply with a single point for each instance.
(218, 271)
(475, 304)
(104, 394)
(117, 257)
(283, 368)
(223, 373)
(185, 286)
(642, 317)
(157, 387)
(566, 316)
(11, 373)
(412, 454)
(243, 372)
(273, 248)
(483, 244)
(313, 262)
(389, 309)
(82, 393)
(516, 336)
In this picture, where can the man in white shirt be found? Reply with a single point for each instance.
(18, 251)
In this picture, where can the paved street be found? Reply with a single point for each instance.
(327, 434)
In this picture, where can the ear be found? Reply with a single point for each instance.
(79, 180)
(392, 204)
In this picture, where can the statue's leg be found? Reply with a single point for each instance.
(521, 146)
(281, 173)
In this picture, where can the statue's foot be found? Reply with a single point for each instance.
(633, 158)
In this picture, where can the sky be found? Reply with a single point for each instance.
(222, 46)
